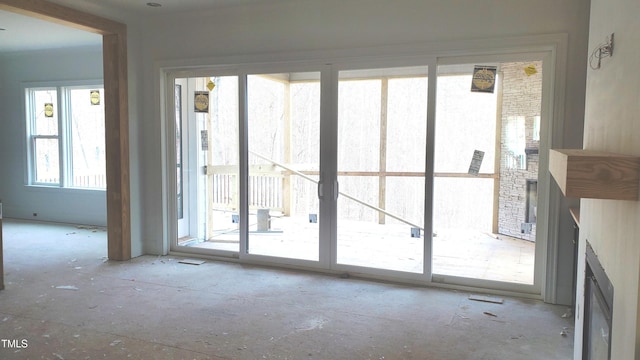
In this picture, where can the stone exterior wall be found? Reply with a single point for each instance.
(521, 104)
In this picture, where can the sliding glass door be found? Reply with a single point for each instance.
(382, 117)
(426, 171)
(283, 119)
(487, 136)
(206, 143)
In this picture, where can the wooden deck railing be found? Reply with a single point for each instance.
(266, 187)
(95, 181)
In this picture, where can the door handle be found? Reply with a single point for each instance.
(336, 189)
(320, 190)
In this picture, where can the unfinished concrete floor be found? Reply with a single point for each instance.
(63, 300)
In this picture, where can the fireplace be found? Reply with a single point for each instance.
(598, 308)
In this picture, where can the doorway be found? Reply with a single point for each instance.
(116, 112)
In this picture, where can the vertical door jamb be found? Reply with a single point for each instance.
(329, 167)
(429, 167)
(243, 166)
(497, 156)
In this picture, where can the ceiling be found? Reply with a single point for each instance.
(167, 6)
(23, 33)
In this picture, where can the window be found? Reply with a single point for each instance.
(65, 127)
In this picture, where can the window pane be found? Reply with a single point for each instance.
(45, 111)
(406, 124)
(466, 122)
(359, 126)
(87, 137)
(46, 160)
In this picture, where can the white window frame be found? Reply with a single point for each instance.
(31, 116)
(62, 105)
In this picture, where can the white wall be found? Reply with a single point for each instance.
(612, 123)
(20, 201)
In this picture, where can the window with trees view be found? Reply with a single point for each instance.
(65, 127)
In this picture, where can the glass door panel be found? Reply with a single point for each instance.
(462, 233)
(284, 154)
(181, 152)
(381, 162)
(207, 113)
(482, 173)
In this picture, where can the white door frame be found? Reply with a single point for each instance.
(555, 48)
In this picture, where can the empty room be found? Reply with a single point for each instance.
(339, 179)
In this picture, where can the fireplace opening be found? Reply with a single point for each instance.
(598, 310)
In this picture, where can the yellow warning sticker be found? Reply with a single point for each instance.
(530, 70)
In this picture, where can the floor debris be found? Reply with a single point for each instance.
(489, 313)
(115, 342)
(568, 313)
(312, 324)
(192, 261)
(488, 299)
(90, 227)
(67, 287)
